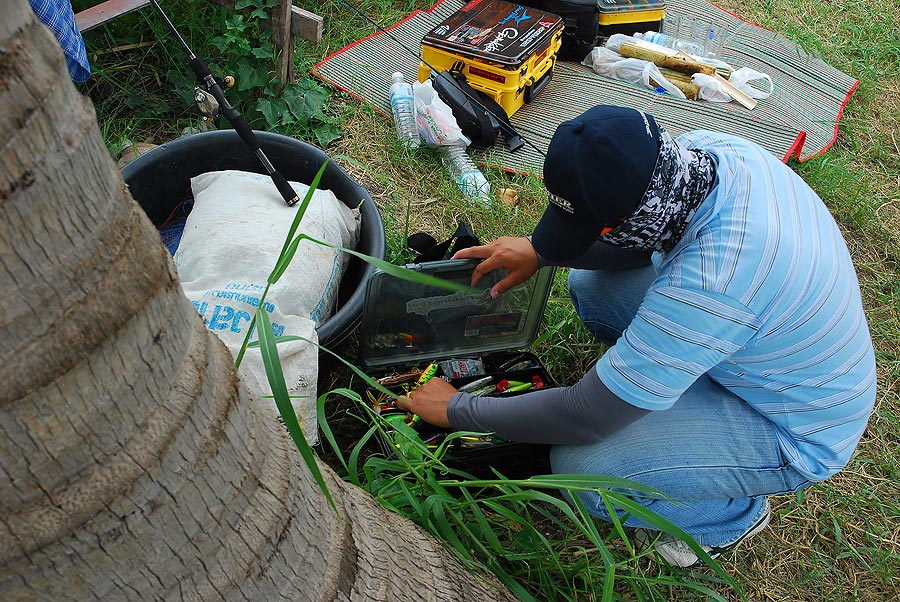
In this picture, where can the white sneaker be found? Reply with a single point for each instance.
(677, 553)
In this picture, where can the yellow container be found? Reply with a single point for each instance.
(630, 16)
(505, 50)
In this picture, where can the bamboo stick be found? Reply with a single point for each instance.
(689, 89)
(679, 62)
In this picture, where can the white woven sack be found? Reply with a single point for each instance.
(231, 241)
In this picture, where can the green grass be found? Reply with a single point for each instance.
(522, 531)
(836, 541)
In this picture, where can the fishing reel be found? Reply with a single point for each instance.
(207, 104)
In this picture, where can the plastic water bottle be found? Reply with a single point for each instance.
(403, 105)
(466, 174)
(672, 42)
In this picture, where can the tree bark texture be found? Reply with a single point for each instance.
(134, 464)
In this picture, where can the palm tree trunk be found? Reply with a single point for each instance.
(135, 465)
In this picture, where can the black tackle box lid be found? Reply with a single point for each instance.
(495, 31)
(406, 322)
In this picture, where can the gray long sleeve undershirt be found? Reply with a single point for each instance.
(583, 413)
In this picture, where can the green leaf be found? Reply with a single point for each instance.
(160, 107)
(487, 533)
(236, 23)
(353, 461)
(263, 52)
(405, 438)
(275, 376)
(435, 507)
(569, 482)
(305, 99)
(250, 75)
(326, 133)
(616, 521)
(273, 110)
(413, 500)
(359, 372)
(401, 272)
(265, 107)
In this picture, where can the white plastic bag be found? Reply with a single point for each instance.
(434, 117)
(615, 41)
(231, 240)
(711, 88)
(604, 61)
(743, 77)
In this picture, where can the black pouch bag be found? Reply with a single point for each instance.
(429, 249)
(478, 115)
(581, 19)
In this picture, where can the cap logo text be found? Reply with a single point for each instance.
(646, 123)
(561, 203)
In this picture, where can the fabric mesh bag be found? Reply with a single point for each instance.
(231, 240)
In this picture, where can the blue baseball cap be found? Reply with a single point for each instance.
(597, 169)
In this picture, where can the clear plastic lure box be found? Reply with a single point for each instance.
(471, 338)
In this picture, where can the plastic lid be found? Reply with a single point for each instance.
(500, 32)
(626, 6)
(397, 76)
(405, 322)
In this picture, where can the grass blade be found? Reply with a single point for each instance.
(323, 422)
(353, 461)
(301, 211)
(275, 376)
(396, 270)
(661, 524)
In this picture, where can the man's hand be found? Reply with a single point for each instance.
(515, 255)
(430, 401)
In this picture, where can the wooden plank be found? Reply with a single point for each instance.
(280, 22)
(106, 11)
(306, 25)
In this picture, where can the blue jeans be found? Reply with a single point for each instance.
(711, 453)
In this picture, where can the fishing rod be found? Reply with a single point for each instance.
(502, 121)
(212, 103)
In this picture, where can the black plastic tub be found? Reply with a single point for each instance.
(160, 179)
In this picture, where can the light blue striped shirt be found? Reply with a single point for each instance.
(760, 294)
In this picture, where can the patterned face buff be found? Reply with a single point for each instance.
(681, 180)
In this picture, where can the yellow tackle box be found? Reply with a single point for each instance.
(505, 50)
(630, 16)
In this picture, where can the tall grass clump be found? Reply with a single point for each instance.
(534, 534)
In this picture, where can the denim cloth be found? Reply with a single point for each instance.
(711, 452)
(57, 15)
